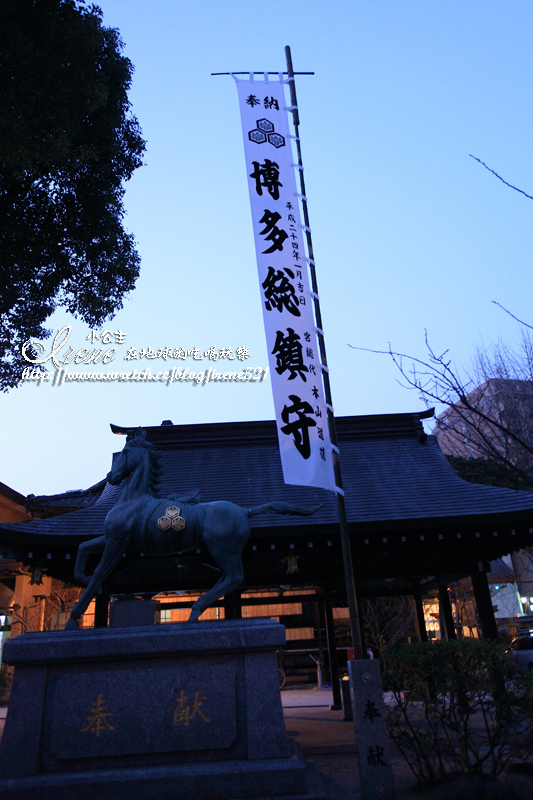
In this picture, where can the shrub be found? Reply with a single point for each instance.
(452, 712)
(5, 684)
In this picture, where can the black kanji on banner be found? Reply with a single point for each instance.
(299, 426)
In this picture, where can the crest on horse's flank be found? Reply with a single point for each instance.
(172, 520)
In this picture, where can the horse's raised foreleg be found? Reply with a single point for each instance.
(96, 545)
(113, 552)
(231, 566)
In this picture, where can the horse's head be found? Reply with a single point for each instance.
(138, 459)
(129, 459)
(120, 469)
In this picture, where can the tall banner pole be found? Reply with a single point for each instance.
(357, 638)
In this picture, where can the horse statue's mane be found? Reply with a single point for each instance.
(139, 440)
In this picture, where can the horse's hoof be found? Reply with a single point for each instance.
(72, 625)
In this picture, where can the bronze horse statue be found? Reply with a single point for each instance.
(144, 523)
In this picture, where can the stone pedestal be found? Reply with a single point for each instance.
(170, 711)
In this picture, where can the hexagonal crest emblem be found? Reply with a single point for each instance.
(171, 519)
(178, 523)
(276, 139)
(164, 523)
(265, 133)
(257, 136)
(265, 125)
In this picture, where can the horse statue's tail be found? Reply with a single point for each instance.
(283, 508)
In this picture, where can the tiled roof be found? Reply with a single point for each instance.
(51, 505)
(11, 494)
(394, 477)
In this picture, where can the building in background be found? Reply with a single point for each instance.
(495, 422)
(489, 439)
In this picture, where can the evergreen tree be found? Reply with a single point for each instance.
(68, 143)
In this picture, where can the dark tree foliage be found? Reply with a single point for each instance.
(488, 472)
(68, 142)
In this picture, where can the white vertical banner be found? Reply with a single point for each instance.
(293, 353)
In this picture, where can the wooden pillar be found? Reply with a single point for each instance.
(318, 615)
(101, 608)
(233, 605)
(420, 620)
(485, 612)
(362, 635)
(332, 651)
(445, 614)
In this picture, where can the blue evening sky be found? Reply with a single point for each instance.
(409, 232)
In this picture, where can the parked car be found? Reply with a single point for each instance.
(520, 653)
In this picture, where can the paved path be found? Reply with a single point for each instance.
(329, 743)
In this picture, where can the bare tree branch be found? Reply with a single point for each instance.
(525, 324)
(388, 620)
(500, 178)
(489, 411)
